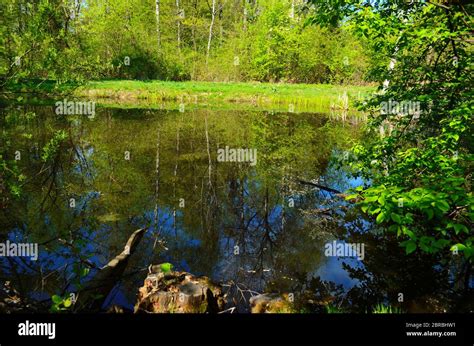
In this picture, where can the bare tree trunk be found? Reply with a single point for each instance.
(193, 31)
(158, 33)
(245, 15)
(194, 26)
(221, 28)
(76, 7)
(178, 12)
(210, 29)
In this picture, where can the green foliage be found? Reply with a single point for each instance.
(265, 40)
(11, 178)
(60, 304)
(332, 309)
(66, 302)
(39, 40)
(419, 165)
(51, 149)
(278, 47)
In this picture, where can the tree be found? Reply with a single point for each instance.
(213, 16)
(153, 39)
(157, 14)
(418, 156)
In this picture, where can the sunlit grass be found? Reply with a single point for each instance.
(213, 95)
(300, 96)
(386, 309)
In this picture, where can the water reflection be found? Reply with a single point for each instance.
(255, 226)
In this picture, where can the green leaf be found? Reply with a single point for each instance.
(429, 213)
(393, 228)
(371, 199)
(410, 247)
(67, 303)
(396, 218)
(380, 218)
(166, 267)
(84, 271)
(459, 247)
(376, 211)
(408, 232)
(442, 205)
(56, 299)
(424, 247)
(460, 228)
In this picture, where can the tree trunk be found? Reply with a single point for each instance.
(210, 29)
(193, 31)
(178, 12)
(245, 15)
(221, 28)
(158, 33)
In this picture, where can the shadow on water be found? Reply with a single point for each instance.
(254, 226)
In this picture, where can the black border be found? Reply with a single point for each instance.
(238, 329)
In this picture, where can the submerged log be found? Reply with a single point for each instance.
(322, 187)
(178, 292)
(95, 291)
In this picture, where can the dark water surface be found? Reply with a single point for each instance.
(255, 226)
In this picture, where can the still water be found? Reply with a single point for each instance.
(256, 225)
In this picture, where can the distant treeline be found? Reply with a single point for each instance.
(218, 40)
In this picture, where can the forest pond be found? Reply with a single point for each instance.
(262, 227)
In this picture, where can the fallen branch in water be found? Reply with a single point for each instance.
(94, 293)
(325, 188)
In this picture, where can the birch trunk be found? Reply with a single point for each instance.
(210, 29)
(178, 12)
(157, 14)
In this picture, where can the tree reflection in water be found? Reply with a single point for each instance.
(255, 227)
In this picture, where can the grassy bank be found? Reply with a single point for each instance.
(215, 95)
(301, 96)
